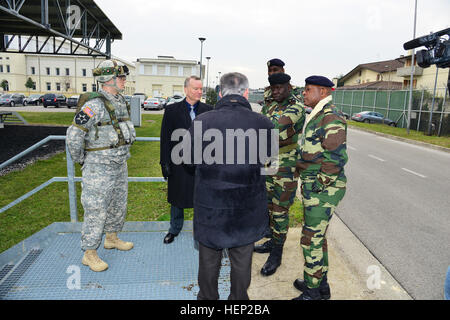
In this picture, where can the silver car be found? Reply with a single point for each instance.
(152, 104)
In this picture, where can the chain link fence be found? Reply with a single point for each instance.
(429, 114)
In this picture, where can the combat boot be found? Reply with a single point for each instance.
(310, 294)
(324, 287)
(265, 247)
(92, 260)
(112, 241)
(273, 262)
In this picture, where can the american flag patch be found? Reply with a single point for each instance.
(89, 112)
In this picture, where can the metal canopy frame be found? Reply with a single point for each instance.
(58, 22)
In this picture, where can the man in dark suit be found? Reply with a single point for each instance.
(180, 181)
(230, 207)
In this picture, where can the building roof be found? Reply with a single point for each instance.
(14, 23)
(379, 66)
(375, 85)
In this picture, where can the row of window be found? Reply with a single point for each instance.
(58, 86)
(7, 68)
(58, 71)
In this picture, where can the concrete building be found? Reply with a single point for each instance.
(68, 75)
(165, 75)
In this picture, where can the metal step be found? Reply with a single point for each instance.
(9, 278)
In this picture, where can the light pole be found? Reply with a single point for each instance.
(207, 75)
(411, 79)
(201, 53)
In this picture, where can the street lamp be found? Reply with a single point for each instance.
(207, 75)
(201, 53)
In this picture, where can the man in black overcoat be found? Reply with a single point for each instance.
(180, 181)
(230, 205)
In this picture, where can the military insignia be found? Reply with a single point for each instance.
(81, 118)
(89, 112)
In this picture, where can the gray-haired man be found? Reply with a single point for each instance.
(230, 207)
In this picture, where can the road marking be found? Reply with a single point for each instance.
(351, 148)
(417, 174)
(376, 158)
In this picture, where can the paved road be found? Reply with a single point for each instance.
(398, 205)
(53, 109)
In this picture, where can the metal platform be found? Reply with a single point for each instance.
(47, 266)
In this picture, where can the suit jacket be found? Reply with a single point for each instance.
(230, 199)
(180, 182)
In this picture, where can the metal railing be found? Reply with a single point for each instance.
(70, 179)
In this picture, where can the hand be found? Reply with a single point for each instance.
(165, 168)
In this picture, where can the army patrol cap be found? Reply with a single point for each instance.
(275, 62)
(279, 78)
(319, 81)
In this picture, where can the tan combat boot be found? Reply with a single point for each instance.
(92, 260)
(112, 241)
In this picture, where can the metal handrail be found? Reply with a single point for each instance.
(71, 179)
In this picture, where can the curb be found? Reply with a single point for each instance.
(418, 143)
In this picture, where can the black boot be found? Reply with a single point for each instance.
(273, 262)
(265, 247)
(310, 294)
(324, 287)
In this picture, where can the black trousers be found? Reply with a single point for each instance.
(209, 269)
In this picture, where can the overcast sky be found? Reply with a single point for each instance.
(324, 37)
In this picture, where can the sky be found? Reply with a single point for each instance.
(315, 37)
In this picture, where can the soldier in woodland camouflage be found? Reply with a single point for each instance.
(288, 116)
(323, 154)
(99, 139)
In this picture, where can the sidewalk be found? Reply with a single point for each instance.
(348, 276)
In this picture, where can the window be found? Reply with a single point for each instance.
(8, 68)
(84, 72)
(58, 86)
(67, 86)
(57, 71)
(48, 71)
(94, 87)
(1, 68)
(34, 85)
(49, 86)
(33, 70)
(67, 72)
(84, 87)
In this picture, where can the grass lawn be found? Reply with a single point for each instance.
(400, 132)
(146, 201)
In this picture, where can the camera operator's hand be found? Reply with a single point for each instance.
(165, 168)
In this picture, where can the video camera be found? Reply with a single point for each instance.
(438, 52)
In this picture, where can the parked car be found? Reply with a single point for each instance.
(152, 104)
(12, 99)
(34, 99)
(56, 100)
(174, 99)
(372, 117)
(163, 102)
(142, 98)
(73, 101)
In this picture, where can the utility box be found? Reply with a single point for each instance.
(136, 114)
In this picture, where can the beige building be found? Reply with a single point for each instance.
(394, 75)
(68, 75)
(164, 76)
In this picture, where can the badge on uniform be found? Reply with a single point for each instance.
(82, 118)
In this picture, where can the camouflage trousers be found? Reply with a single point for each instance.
(318, 210)
(281, 189)
(104, 199)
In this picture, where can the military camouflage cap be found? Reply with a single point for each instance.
(110, 69)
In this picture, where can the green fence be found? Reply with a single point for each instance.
(393, 104)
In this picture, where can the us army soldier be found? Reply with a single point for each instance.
(323, 154)
(288, 116)
(99, 139)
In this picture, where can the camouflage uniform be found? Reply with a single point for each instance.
(288, 117)
(323, 154)
(93, 141)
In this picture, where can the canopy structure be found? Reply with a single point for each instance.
(47, 26)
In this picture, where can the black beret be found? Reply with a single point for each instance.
(319, 81)
(279, 78)
(275, 62)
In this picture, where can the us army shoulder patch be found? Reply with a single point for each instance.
(82, 118)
